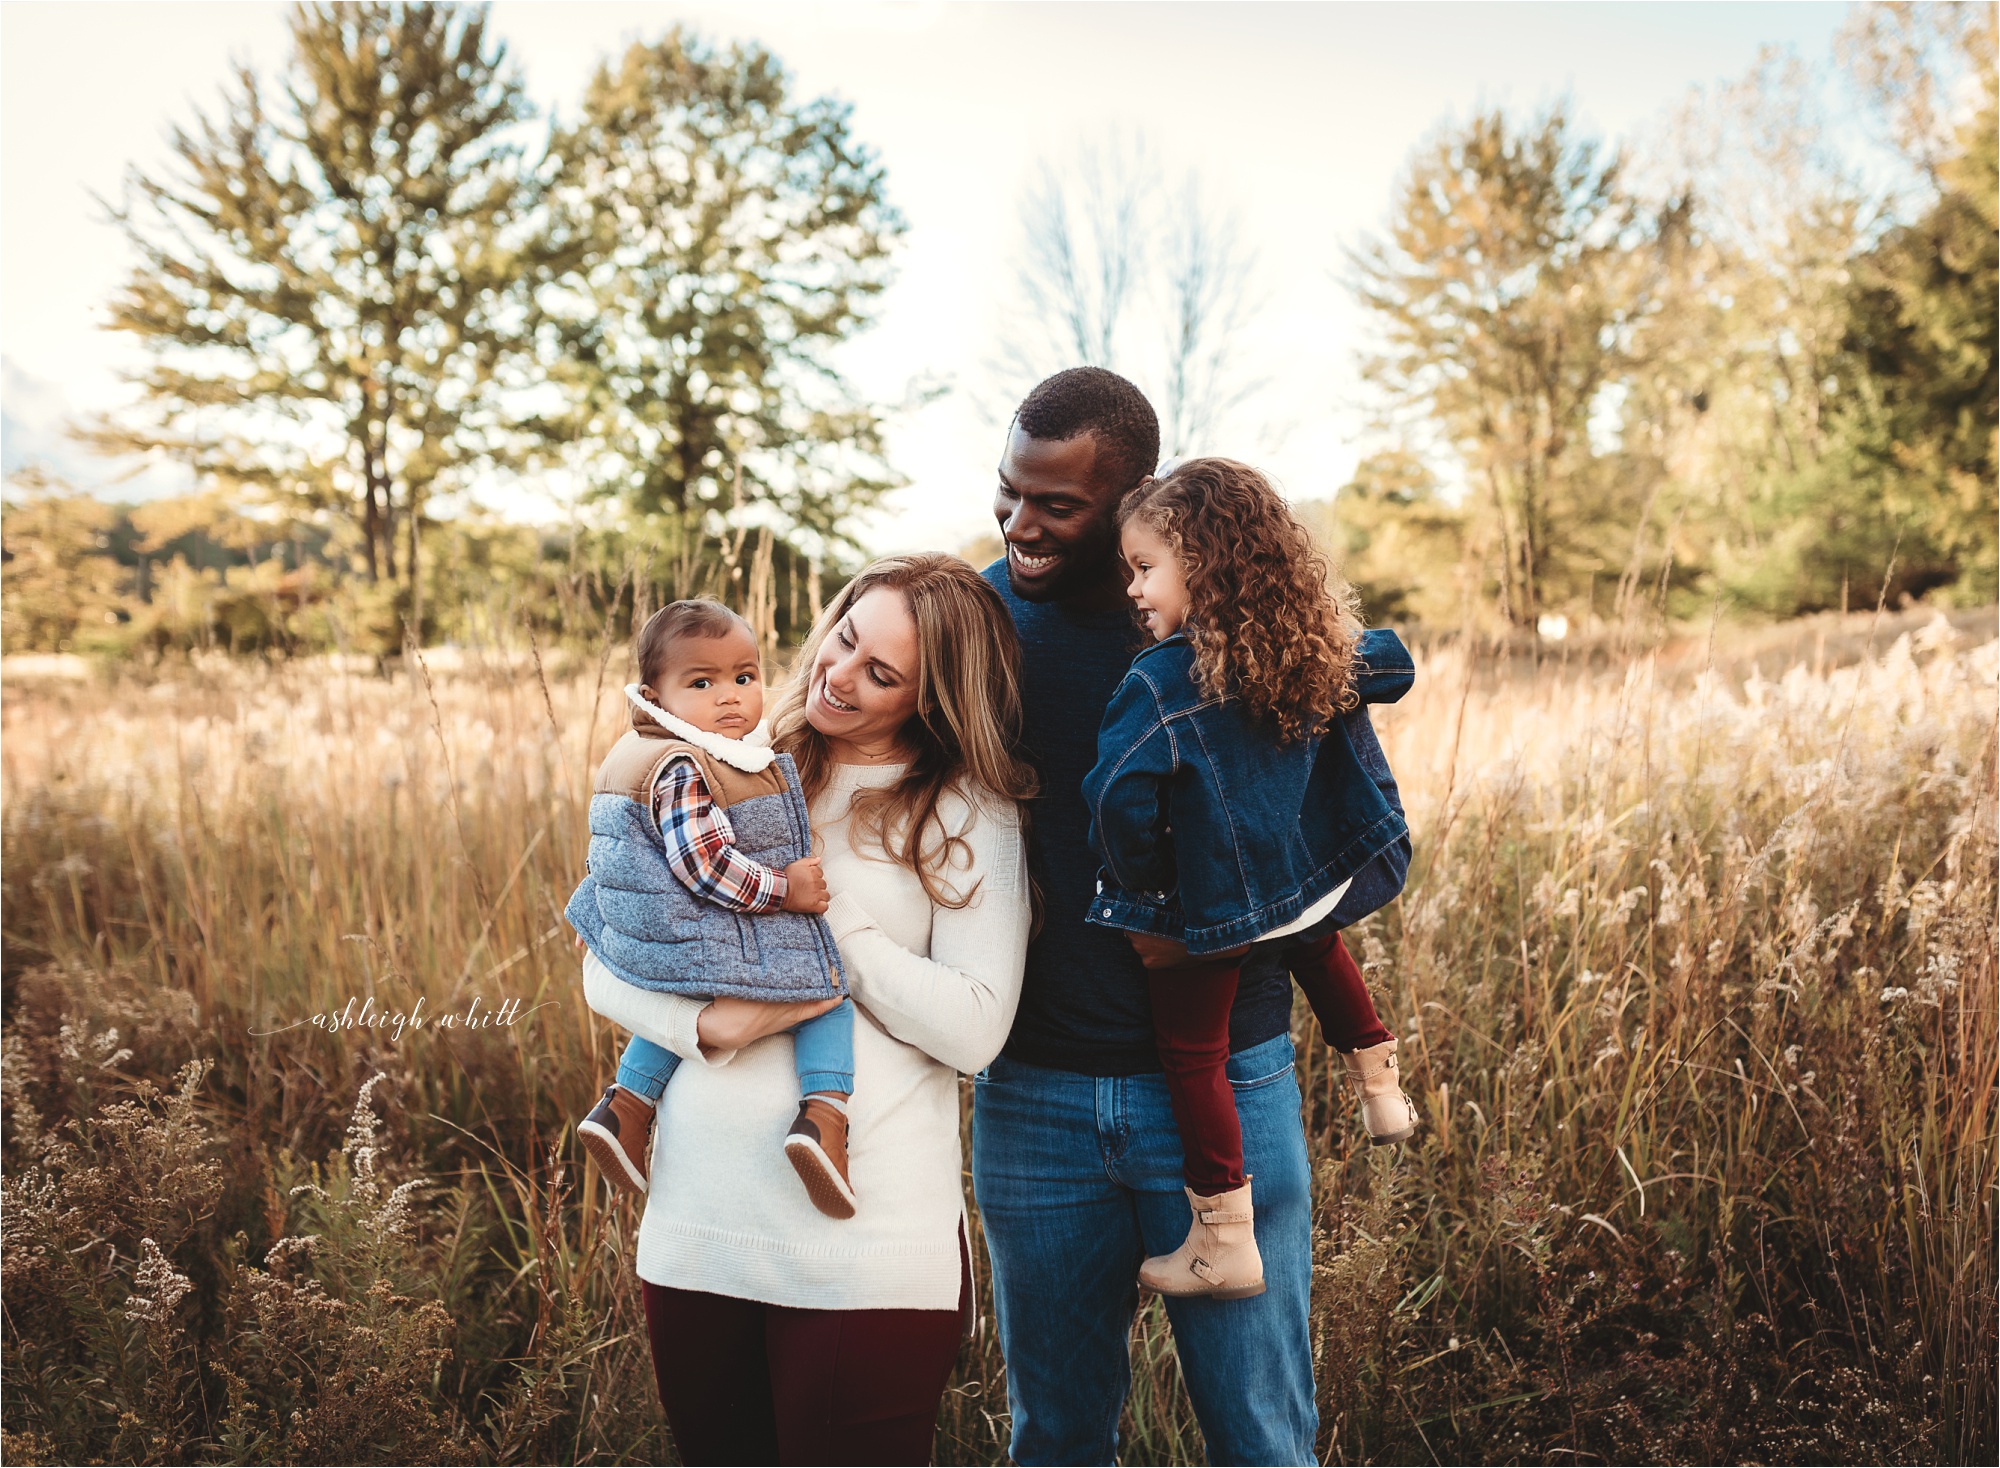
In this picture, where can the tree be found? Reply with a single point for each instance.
(712, 239)
(327, 286)
(1508, 291)
(60, 587)
(1115, 270)
(1834, 328)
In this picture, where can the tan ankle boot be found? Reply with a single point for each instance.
(1389, 1115)
(1219, 1259)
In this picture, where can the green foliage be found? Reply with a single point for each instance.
(329, 287)
(362, 304)
(1753, 387)
(1507, 295)
(715, 236)
(61, 590)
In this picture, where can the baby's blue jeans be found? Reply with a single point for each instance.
(822, 1049)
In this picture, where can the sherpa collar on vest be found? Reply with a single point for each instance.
(739, 754)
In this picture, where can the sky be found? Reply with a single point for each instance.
(1298, 117)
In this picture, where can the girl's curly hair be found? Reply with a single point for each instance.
(1273, 625)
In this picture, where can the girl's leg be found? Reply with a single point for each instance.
(1191, 1026)
(713, 1374)
(645, 1068)
(1334, 988)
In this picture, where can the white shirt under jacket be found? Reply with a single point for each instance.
(936, 989)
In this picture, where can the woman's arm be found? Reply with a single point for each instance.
(668, 1020)
(958, 1004)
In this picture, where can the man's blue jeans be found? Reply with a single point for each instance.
(1078, 1178)
(823, 1051)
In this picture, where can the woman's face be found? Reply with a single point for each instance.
(864, 681)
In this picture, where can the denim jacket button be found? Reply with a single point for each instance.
(1107, 912)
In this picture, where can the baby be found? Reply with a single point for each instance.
(701, 882)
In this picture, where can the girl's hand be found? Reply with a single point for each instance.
(730, 1024)
(1168, 953)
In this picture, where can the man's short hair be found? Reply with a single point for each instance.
(1105, 406)
(674, 622)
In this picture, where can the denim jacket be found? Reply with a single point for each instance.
(1212, 832)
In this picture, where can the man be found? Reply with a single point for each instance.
(1076, 1162)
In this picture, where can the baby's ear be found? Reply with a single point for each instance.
(646, 692)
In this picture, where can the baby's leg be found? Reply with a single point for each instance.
(645, 1068)
(823, 1051)
(1334, 988)
(619, 1130)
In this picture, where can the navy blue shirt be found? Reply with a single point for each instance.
(1083, 998)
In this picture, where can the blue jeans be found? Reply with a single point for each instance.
(1078, 1178)
(822, 1049)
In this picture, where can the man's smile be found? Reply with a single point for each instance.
(1032, 564)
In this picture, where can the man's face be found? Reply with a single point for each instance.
(1060, 526)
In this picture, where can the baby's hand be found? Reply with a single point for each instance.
(807, 891)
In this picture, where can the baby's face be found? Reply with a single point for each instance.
(715, 683)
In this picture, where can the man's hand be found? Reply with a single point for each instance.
(806, 890)
(730, 1024)
(1169, 953)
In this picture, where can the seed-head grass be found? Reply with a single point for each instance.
(1694, 981)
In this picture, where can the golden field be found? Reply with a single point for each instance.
(1696, 975)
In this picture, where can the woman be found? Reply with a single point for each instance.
(779, 1336)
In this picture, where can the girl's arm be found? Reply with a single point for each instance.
(1126, 791)
(958, 1004)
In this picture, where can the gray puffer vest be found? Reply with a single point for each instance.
(650, 930)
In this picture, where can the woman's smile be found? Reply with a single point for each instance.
(832, 702)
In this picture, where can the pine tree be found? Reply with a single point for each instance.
(326, 284)
(713, 237)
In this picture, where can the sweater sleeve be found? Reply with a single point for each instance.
(956, 1005)
(667, 1020)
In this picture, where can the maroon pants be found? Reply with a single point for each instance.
(744, 1382)
(1191, 1004)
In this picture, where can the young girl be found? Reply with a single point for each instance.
(1230, 806)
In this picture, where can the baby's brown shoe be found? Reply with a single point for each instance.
(618, 1133)
(817, 1147)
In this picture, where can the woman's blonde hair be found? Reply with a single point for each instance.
(1273, 625)
(966, 730)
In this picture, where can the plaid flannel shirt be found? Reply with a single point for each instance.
(701, 846)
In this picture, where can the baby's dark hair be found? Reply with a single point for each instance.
(695, 618)
(1273, 625)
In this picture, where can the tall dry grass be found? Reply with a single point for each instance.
(1696, 975)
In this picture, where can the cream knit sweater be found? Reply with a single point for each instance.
(936, 989)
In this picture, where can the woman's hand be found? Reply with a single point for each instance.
(730, 1024)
